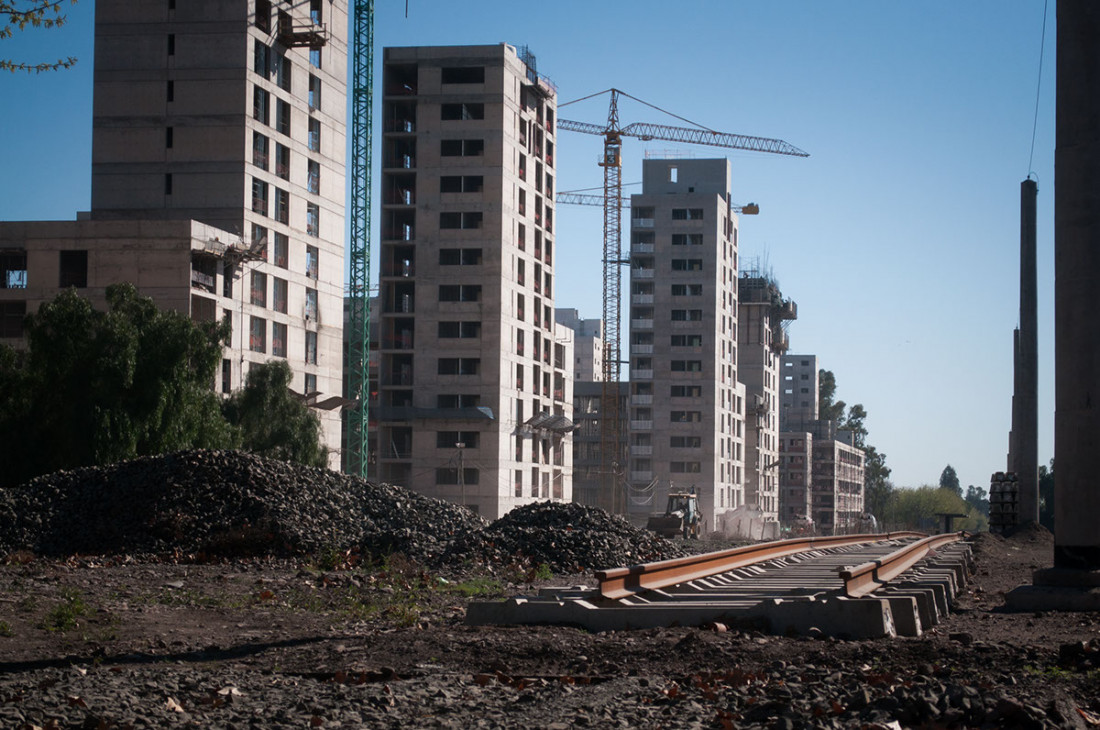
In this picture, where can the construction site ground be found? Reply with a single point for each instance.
(106, 643)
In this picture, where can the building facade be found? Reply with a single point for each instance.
(227, 118)
(837, 505)
(475, 390)
(762, 340)
(686, 406)
(588, 345)
(799, 395)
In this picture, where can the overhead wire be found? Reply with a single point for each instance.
(1038, 88)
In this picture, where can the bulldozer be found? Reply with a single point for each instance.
(681, 517)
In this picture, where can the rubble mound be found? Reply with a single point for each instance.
(233, 504)
(225, 503)
(566, 537)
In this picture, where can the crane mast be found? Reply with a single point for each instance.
(356, 425)
(612, 497)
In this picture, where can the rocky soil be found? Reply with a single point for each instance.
(210, 589)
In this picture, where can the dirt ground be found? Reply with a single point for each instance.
(115, 642)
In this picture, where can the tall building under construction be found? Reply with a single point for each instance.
(475, 386)
(686, 400)
(217, 182)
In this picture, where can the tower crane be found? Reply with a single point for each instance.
(358, 388)
(611, 497)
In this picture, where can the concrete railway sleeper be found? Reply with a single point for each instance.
(857, 586)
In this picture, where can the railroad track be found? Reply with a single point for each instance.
(858, 586)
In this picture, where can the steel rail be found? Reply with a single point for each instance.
(622, 582)
(868, 577)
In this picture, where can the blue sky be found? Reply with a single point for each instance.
(898, 237)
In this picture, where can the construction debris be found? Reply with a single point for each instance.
(231, 504)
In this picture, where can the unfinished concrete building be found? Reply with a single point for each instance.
(763, 314)
(686, 402)
(837, 503)
(217, 181)
(588, 345)
(798, 414)
(475, 375)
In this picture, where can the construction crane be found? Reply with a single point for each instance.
(356, 426)
(576, 197)
(611, 497)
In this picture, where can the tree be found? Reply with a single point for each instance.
(18, 15)
(877, 487)
(1046, 496)
(96, 387)
(828, 410)
(977, 498)
(853, 422)
(917, 509)
(271, 422)
(950, 480)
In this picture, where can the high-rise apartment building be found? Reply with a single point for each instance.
(217, 179)
(686, 403)
(475, 375)
(799, 391)
(762, 313)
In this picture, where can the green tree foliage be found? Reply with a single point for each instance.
(271, 422)
(1046, 496)
(977, 498)
(950, 480)
(96, 387)
(853, 422)
(916, 509)
(828, 409)
(878, 490)
(18, 15)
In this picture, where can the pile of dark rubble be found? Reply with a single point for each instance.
(222, 503)
(567, 538)
(232, 504)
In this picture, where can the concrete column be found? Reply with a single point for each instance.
(1026, 399)
(1077, 286)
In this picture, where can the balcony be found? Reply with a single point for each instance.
(641, 273)
(642, 349)
(641, 299)
(640, 399)
(642, 248)
(641, 324)
(641, 450)
(641, 374)
(641, 476)
(642, 222)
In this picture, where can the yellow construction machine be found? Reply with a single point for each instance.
(681, 517)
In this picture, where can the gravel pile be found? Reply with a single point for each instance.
(567, 538)
(222, 503)
(232, 504)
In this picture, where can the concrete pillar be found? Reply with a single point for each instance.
(1025, 403)
(1077, 286)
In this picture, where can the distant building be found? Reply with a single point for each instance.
(588, 480)
(475, 390)
(217, 183)
(588, 344)
(762, 339)
(837, 486)
(799, 390)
